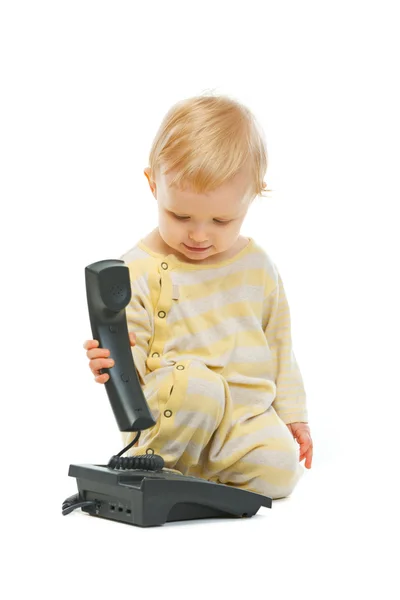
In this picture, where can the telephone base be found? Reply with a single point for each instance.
(149, 498)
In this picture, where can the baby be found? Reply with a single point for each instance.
(209, 322)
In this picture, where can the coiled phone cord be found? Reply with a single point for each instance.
(148, 462)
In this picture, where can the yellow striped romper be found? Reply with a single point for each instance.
(215, 362)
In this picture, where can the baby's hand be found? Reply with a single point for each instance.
(301, 433)
(100, 358)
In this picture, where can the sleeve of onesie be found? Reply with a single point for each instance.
(139, 320)
(290, 400)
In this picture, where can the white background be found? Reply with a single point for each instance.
(84, 88)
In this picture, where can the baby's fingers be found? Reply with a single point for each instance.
(103, 378)
(90, 344)
(101, 363)
(306, 452)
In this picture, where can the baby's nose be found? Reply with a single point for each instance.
(199, 237)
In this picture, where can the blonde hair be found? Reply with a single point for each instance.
(206, 140)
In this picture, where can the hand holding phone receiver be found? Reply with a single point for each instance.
(108, 292)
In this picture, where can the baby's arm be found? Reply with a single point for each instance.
(290, 400)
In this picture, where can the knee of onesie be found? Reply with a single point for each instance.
(190, 402)
(196, 396)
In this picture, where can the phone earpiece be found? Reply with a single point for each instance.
(114, 286)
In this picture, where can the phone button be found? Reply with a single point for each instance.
(113, 329)
(125, 378)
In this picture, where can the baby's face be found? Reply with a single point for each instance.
(209, 221)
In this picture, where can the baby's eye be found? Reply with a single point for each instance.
(216, 220)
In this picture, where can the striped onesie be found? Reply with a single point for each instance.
(215, 361)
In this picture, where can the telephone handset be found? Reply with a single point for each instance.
(108, 292)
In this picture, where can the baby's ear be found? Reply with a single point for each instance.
(152, 184)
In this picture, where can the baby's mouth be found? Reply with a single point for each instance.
(194, 249)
